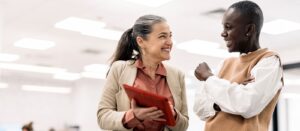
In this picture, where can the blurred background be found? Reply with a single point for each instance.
(54, 55)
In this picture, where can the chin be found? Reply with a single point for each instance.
(166, 58)
(230, 50)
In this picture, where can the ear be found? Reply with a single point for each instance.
(140, 41)
(250, 30)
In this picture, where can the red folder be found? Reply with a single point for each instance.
(147, 99)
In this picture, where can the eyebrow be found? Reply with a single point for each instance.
(164, 33)
(226, 23)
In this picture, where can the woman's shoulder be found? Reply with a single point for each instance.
(171, 69)
(122, 63)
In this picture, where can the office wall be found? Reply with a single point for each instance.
(86, 97)
(44, 109)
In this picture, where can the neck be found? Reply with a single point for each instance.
(150, 64)
(253, 46)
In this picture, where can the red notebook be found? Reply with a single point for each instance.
(147, 99)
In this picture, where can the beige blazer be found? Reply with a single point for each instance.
(114, 101)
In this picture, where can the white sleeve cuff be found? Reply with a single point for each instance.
(203, 106)
(210, 112)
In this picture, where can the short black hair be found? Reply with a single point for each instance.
(251, 11)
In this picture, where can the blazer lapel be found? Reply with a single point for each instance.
(173, 83)
(127, 76)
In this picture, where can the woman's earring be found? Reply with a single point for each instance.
(134, 54)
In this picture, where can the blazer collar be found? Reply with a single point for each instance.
(129, 74)
(173, 85)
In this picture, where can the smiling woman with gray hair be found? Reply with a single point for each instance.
(138, 62)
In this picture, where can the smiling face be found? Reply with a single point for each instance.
(234, 30)
(158, 43)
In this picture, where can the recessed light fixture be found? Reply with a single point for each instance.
(36, 44)
(290, 95)
(79, 24)
(3, 85)
(292, 82)
(150, 3)
(31, 68)
(93, 75)
(97, 71)
(50, 89)
(8, 57)
(89, 27)
(96, 68)
(206, 48)
(280, 26)
(104, 34)
(67, 76)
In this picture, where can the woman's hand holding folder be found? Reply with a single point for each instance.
(143, 113)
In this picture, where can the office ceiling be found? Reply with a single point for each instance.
(189, 19)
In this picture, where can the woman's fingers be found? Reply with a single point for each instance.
(149, 110)
(148, 113)
(155, 114)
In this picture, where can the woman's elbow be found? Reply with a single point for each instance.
(101, 123)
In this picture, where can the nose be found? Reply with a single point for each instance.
(224, 34)
(170, 41)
